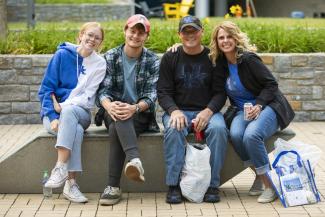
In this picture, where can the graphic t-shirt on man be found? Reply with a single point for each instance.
(193, 76)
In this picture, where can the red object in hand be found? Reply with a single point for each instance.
(199, 135)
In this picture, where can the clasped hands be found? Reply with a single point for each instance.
(179, 121)
(120, 110)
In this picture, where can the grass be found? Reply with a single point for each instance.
(269, 35)
(288, 22)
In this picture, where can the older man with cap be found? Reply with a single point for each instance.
(127, 95)
(189, 90)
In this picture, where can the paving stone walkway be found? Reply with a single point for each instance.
(234, 199)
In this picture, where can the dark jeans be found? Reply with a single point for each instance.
(123, 143)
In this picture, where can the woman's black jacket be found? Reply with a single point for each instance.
(258, 79)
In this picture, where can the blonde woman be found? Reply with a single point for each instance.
(248, 80)
(67, 94)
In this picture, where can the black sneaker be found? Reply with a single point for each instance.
(174, 195)
(212, 195)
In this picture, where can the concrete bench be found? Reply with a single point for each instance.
(21, 172)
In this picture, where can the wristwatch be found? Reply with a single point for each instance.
(137, 108)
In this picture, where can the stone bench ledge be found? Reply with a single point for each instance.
(101, 132)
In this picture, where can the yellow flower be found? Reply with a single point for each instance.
(206, 20)
(239, 9)
(236, 10)
(233, 9)
(227, 16)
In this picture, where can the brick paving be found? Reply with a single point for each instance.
(234, 199)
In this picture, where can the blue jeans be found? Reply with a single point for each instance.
(74, 120)
(248, 138)
(216, 135)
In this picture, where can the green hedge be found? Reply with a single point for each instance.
(269, 35)
(71, 1)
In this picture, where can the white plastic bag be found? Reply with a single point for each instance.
(306, 152)
(196, 173)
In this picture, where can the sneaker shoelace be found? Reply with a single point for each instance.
(57, 173)
(110, 190)
(74, 189)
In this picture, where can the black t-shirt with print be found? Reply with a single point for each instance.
(188, 82)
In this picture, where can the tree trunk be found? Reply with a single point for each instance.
(3, 19)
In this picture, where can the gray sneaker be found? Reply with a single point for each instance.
(257, 187)
(58, 176)
(267, 196)
(72, 193)
(111, 196)
(134, 171)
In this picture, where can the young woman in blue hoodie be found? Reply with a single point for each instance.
(67, 94)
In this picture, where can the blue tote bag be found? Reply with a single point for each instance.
(294, 184)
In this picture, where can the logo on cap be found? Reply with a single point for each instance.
(190, 21)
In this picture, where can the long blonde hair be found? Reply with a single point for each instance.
(241, 39)
(88, 25)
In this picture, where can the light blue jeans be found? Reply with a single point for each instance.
(248, 138)
(216, 135)
(74, 120)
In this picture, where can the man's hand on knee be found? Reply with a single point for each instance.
(177, 120)
(202, 119)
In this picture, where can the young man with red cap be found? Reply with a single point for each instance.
(189, 91)
(128, 95)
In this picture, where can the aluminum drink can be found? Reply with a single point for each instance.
(199, 135)
(247, 107)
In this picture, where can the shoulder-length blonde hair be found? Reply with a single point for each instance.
(88, 25)
(241, 39)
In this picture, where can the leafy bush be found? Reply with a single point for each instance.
(71, 1)
(269, 35)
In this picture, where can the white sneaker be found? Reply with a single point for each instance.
(72, 193)
(267, 196)
(58, 176)
(111, 196)
(257, 187)
(134, 170)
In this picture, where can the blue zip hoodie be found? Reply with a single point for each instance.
(60, 78)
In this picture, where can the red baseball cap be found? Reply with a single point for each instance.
(138, 18)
